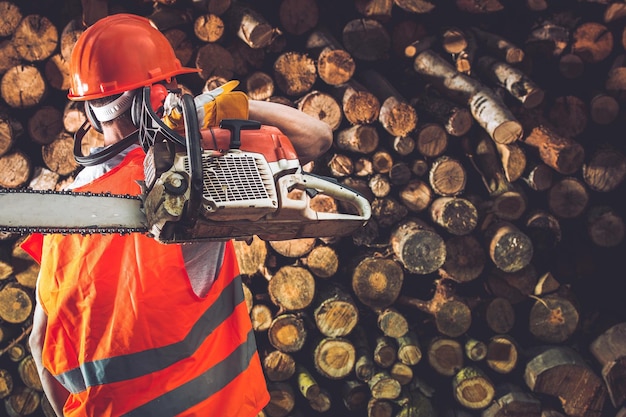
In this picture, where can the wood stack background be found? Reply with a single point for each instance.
(489, 136)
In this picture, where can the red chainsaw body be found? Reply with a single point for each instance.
(268, 141)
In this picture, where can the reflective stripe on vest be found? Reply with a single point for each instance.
(197, 390)
(124, 367)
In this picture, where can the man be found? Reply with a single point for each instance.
(125, 325)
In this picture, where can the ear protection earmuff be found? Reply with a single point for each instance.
(129, 99)
(158, 92)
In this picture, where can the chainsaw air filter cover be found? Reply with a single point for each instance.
(236, 185)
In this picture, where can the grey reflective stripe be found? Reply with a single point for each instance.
(174, 402)
(133, 365)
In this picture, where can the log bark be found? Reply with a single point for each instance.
(488, 110)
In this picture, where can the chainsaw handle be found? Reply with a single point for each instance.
(328, 187)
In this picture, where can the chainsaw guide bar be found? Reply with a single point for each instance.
(26, 211)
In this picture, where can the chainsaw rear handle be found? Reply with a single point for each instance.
(327, 186)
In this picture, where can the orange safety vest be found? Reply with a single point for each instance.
(126, 334)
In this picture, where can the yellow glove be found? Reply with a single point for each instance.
(211, 107)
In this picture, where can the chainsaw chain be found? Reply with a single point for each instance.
(69, 230)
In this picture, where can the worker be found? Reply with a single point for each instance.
(125, 325)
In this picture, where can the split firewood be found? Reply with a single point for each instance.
(605, 170)
(35, 38)
(472, 388)
(375, 9)
(354, 395)
(511, 399)
(447, 176)
(364, 366)
(568, 198)
(560, 371)
(396, 115)
(250, 26)
(445, 355)
(22, 401)
(500, 315)
(293, 248)
(538, 176)
(16, 304)
(416, 195)
(392, 323)
(359, 105)
(298, 16)
(509, 248)
(9, 57)
(377, 282)
(418, 247)
(45, 125)
(383, 386)
(282, 399)
(455, 119)
(415, 6)
(259, 85)
(431, 140)
(553, 318)
(475, 350)
(385, 352)
(23, 86)
(366, 39)
(609, 349)
(335, 312)
(387, 211)
(507, 201)
(603, 108)
(592, 41)
(335, 65)
(359, 138)
(403, 145)
(340, 165)
(292, 288)
(287, 332)
(502, 354)
(261, 316)
(409, 350)
(334, 357)
(16, 168)
(513, 160)
(58, 155)
(605, 226)
(399, 174)
(294, 73)
(452, 315)
(208, 27)
(513, 286)
(465, 258)
(278, 366)
(322, 261)
(487, 109)
(321, 106)
(456, 215)
(212, 60)
(11, 18)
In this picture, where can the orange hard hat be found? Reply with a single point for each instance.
(118, 53)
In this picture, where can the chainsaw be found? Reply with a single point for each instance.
(235, 181)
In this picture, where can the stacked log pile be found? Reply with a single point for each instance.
(488, 136)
